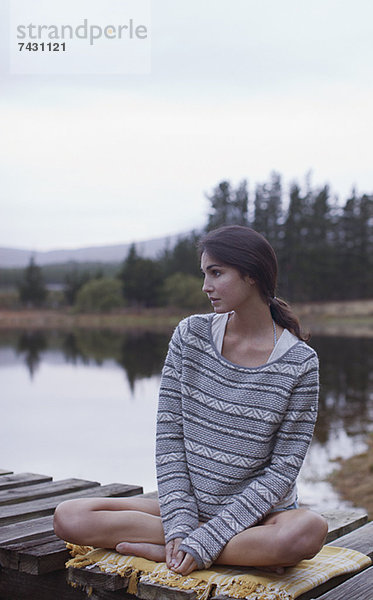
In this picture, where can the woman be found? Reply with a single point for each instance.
(237, 408)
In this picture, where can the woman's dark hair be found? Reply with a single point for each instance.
(250, 253)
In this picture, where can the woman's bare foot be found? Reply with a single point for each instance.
(154, 552)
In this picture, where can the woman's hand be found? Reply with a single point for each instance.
(173, 556)
(177, 560)
(187, 565)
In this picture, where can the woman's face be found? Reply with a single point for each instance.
(226, 289)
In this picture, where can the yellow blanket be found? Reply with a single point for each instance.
(233, 582)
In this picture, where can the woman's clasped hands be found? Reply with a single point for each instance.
(177, 560)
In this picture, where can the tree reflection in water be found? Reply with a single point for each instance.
(346, 386)
(345, 367)
(30, 345)
(140, 354)
(345, 415)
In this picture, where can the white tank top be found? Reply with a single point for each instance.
(284, 342)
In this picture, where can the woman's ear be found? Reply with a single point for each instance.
(250, 280)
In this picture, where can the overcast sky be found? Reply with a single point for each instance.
(237, 88)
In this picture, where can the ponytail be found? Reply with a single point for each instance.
(251, 254)
(284, 316)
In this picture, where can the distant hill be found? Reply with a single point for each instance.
(15, 258)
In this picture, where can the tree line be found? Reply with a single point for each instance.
(324, 249)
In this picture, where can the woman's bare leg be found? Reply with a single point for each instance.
(283, 539)
(104, 522)
(133, 526)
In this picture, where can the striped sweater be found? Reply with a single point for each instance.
(230, 439)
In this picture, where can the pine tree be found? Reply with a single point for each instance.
(268, 210)
(356, 247)
(32, 290)
(321, 252)
(183, 258)
(366, 245)
(293, 247)
(229, 206)
(141, 279)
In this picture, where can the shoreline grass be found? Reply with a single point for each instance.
(65, 320)
(354, 479)
(346, 318)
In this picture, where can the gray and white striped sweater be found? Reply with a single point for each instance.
(230, 439)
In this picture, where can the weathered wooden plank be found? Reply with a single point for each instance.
(5, 472)
(97, 579)
(359, 587)
(331, 584)
(9, 553)
(29, 547)
(107, 586)
(45, 558)
(44, 490)
(43, 538)
(36, 557)
(22, 479)
(27, 530)
(41, 554)
(22, 586)
(35, 527)
(154, 591)
(104, 595)
(46, 506)
(361, 540)
(341, 522)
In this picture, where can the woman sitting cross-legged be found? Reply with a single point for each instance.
(237, 408)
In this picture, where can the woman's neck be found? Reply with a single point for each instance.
(250, 336)
(253, 322)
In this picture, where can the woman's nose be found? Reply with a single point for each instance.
(207, 287)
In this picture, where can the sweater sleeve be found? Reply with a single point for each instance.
(177, 503)
(262, 493)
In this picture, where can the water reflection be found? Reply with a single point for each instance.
(139, 354)
(346, 366)
(84, 379)
(30, 345)
(142, 355)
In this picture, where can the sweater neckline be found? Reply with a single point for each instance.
(235, 365)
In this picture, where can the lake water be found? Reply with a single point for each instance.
(83, 404)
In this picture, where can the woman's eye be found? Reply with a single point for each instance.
(216, 273)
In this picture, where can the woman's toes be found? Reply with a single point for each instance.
(125, 548)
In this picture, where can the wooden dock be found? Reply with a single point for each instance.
(32, 558)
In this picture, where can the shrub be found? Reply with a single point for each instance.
(99, 295)
(184, 291)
